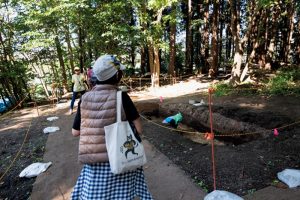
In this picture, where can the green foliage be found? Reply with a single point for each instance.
(286, 82)
(223, 89)
(32, 31)
(197, 22)
(267, 3)
(251, 191)
(200, 183)
(246, 89)
(39, 93)
(160, 4)
(275, 182)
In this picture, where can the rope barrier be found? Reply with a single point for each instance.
(218, 135)
(164, 77)
(180, 77)
(257, 132)
(17, 105)
(211, 136)
(35, 106)
(238, 89)
(171, 129)
(18, 153)
(215, 135)
(25, 137)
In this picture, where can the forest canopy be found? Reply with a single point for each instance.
(42, 41)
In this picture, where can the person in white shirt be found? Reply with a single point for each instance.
(79, 86)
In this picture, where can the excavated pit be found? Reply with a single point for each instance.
(235, 125)
(243, 163)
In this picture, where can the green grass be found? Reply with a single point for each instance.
(225, 89)
(275, 182)
(285, 82)
(201, 184)
(251, 191)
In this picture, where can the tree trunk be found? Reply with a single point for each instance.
(197, 47)
(154, 56)
(205, 38)
(10, 85)
(254, 42)
(228, 43)
(235, 31)
(156, 66)
(272, 36)
(61, 61)
(238, 42)
(214, 52)
(172, 42)
(189, 39)
(291, 14)
(7, 92)
(26, 88)
(151, 56)
(81, 51)
(262, 52)
(221, 27)
(132, 55)
(145, 50)
(151, 64)
(143, 60)
(297, 43)
(70, 50)
(40, 76)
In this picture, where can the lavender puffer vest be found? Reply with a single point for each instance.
(98, 109)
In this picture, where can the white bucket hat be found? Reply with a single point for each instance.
(106, 66)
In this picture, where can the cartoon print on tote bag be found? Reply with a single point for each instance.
(130, 145)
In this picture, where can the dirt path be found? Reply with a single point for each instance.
(61, 149)
(165, 180)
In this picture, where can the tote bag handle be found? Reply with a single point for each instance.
(124, 153)
(119, 104)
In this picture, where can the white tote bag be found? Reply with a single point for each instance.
(125, 152)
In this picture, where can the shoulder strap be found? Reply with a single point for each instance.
(119, 104)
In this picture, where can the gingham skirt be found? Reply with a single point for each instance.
(97, 182)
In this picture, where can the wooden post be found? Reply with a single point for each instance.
(37, 108)
(130, 82)
(140, 83)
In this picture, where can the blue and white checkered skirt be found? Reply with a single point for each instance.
(97, 182)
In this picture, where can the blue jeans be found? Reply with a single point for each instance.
(74, 98)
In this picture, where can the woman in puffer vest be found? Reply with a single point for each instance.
(97, 109)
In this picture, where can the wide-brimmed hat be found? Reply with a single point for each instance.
(76, 69)
(106, 66)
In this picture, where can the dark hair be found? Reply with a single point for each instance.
(115, 79)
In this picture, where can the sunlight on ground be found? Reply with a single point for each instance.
(253, 105)
(16, 126)
(63, 194)
(18, 119)
(178, 89)
(183, 88)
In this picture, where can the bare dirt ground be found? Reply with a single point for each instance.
(15, 128)
(242, 168)
(244, 164)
